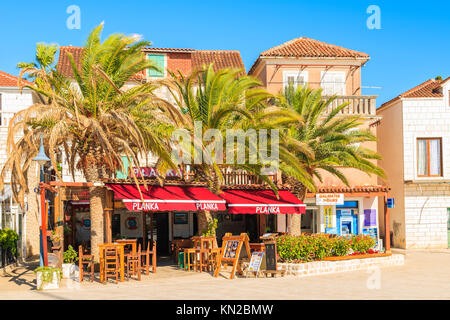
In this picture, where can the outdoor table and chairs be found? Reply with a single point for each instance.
(203, 255)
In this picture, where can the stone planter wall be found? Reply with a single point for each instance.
(327, 267)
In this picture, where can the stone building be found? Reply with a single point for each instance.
(414, 141)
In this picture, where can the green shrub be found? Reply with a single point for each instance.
(304, 248)
(340, 246)
(8, 239)
(362, 243)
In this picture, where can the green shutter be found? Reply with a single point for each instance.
(126, 165)
(158, 60)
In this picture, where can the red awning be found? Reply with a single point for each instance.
(262, 202)
(168, 198)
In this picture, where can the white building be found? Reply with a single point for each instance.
(12, 101)
(414, 141)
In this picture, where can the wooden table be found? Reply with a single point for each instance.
(121, 248)
(132, 242)
(204, 242)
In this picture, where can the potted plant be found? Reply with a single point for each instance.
(70, 257)
(47, 278)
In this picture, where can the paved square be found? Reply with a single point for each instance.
(425, 275)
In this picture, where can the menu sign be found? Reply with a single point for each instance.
(271, 256)
(230, 249)
(255, 261)
(324, 199)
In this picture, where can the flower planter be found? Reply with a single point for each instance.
(44, 285)
(358, 256)
(68, 270)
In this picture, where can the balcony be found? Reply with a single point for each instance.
(241, 177)
(362, 105)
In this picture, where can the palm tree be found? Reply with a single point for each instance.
(334, 140)
(217, 100)
(224, 100)
(92, 120)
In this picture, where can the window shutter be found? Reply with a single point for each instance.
(126, 165)
(158, 61)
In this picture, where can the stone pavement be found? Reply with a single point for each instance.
(425, 275)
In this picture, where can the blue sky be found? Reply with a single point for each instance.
(412, 45)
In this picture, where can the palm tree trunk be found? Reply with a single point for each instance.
(295, 220)
(203, 217)
(97, 204)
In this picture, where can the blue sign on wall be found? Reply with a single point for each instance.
(390, 203)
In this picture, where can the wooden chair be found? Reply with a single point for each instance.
(85, 260)
(112, 264)
(214, 258)
(188, 262)
(147, 253)
(202, 258)
(134, 263)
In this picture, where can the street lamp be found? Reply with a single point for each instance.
(42, 159)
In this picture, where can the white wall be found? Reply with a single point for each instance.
(426, 203)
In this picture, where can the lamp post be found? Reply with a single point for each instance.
(42, 159)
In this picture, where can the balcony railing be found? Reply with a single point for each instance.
(241, 177)
(236, 177)
(363, 105)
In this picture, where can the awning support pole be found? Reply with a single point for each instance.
(387, 238)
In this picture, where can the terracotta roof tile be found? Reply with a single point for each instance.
(309, 48)
(427, 89)
(341, 189)
(220, 58)
(305, 47)
(8, 80)
(65, 68)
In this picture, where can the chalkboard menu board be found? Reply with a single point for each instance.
(271, 256)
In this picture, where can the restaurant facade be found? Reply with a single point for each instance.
(171, 211)
(152, 212)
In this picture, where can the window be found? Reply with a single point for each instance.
(158, 61)
(295, 78)
(429, 157)
(333, 82)
(180, 218)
